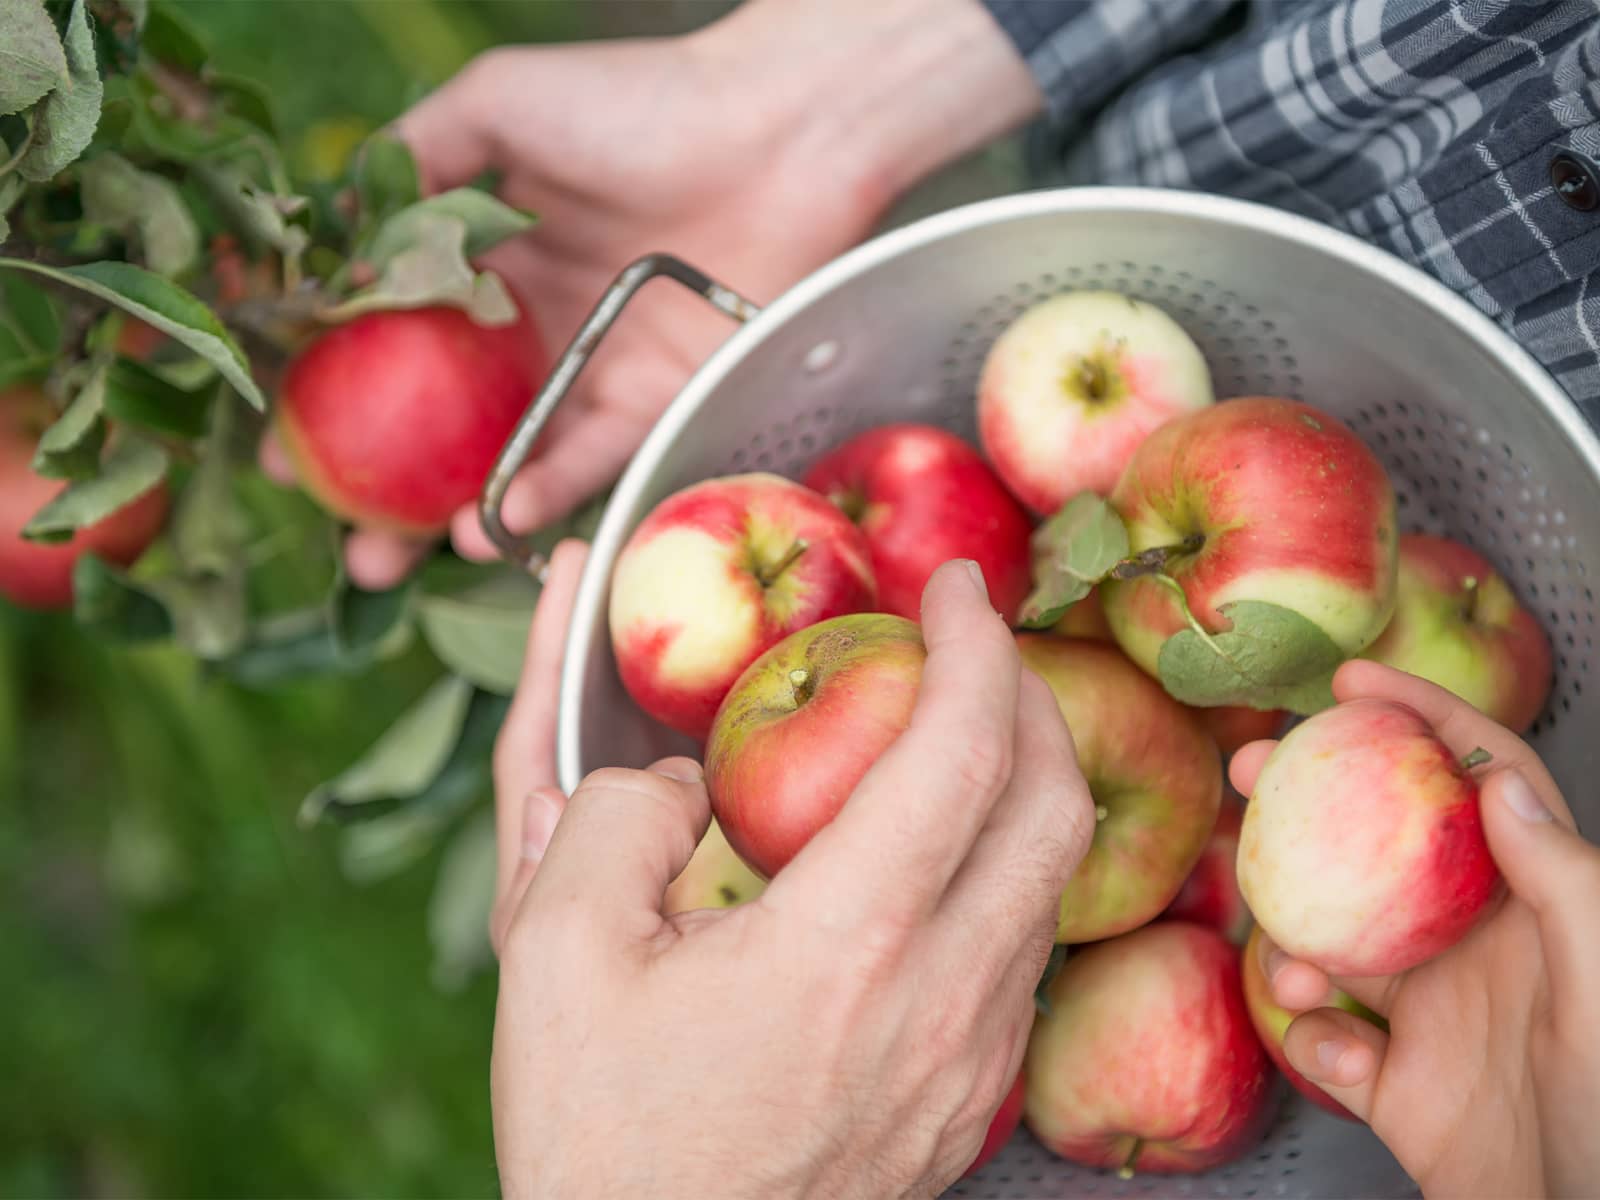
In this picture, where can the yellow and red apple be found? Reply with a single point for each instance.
(716, 575)
(1210, 895)
(714, 877)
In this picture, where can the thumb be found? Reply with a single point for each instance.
(623, 837)
(1550, 867)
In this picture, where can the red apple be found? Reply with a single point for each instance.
(1272, 1021)
(1085, 619)
(1005, 1122)
(717, 574)
(922, 497)
(39, 576)
(1210, 896)
(715, 877)
(1457, 624)
(1260, 502)
(1146, 1059)
(395, 418)
(1154, 774)
(801, 727)
(1362, 849)
(1072, 387)
(1234, 726)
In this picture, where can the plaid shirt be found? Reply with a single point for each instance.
(1433, 128)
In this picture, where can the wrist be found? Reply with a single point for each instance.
(872, 97)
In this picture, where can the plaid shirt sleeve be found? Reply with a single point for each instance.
(1429, 127)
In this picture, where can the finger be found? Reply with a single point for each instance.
(1246, 764)
(1299, 986)
(537, 821)
(1340, 1053)
(589, 454)
(1010, 885)
(454, 132)
(1553, 870)
(911, 821)
(274, 460)
(376, 560)
(623, 837)
(525, 751)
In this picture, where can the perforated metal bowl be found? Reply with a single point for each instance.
(1481, 443)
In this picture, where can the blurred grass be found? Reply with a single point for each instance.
(198, 1003)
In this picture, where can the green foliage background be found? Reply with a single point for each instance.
(198, 1001)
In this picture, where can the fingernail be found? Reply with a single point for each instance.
(540, 812)
(1328, 1055)
(978, 581)
(684, 770)
(1521, 799)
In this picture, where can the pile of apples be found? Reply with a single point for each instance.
(1237, 553)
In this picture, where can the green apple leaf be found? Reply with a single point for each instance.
(29, 322)
(458, 909)
(480, 631)
(70, 448)
(286, 646)
(432, 269)
(32, 61)
(161, 303)
(488, 222)
(142, 207)
(1072, 551)
(208, 611)
(133, 467)
(170, 40)
(261, 215)
(370, 622)
(385, 177)
(1270, 657)
(108, 603)
(137, 395)
(65, 120)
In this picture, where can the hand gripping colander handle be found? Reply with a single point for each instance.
(565, 373)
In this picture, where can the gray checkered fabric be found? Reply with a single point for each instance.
(1425, 126)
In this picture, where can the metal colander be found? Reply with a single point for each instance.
(1481, 443)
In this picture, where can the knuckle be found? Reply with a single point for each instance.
(984, 759)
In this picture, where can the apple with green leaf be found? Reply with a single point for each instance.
(1272, 1021)
(1362, 849)
(1073, 386)
(714, 877)
(1145, 1059)
(1154, 774)
(1262, 554)
(802, 725)
(717, 574)
(1458, 624)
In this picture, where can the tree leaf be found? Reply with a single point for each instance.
(70, 448)
(405, 760)
(169, 39)
(161, 303)
(133, 467)
(32, 61)
(488, 222)
(433, 269)
(66, 119)
(139, 396)
(209, 613)
(480, 631)
(29, 323)
(32, 368)
(1072, 552)
(1270, 657)
(244, 98)
(458, 909)
(144, 208)
(258, 214)
(365, 621)
(107, 602)
(289, 646)
(385, 177)
(10, 192)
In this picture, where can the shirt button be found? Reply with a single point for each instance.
(1574, 181)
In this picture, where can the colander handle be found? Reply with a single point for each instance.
(568, 367)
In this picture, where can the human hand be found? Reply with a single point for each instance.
(849, 1032)
(1487, 1081)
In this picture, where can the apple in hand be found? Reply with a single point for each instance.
(1154, 774)
(1457, 624)
(715, 877)
(395, 418)
(1272, 1021)
(803, 724)
(1074, 384)
(923, 496)
(1210, 896)
(1275, 526)
(1146, 1059)
(1006, 1119)
(1362, 849)
(39, 575)
(718, 573)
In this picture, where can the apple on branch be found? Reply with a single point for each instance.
(717, 574)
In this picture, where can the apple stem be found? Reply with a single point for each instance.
(1476, 759)
(1155, 559)
(800, 681)
(770, 575)
(1092, 378)
(1470, 586)
(1125, 1171)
